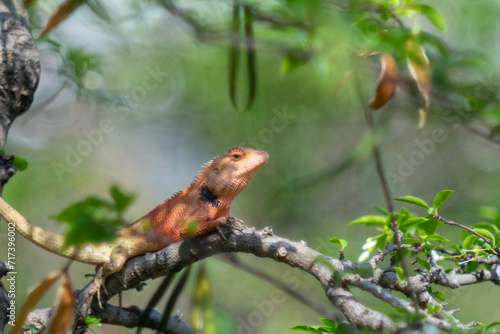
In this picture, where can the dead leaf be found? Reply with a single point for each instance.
(387, 82)
(64, 10)
(34, 295)
(420, 71)
(65, 308)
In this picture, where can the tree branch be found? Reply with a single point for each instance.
(236, 237)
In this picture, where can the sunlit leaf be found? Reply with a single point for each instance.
(308, 329)
(341, 242)
(436, 237)
(433, 15)
(486, 234)
(470, 242)
(413, 200)
(441, 197)
(369, 220)
(413, 222)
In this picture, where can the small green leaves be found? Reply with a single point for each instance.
(341, 242)
(20, 162)
(433, 308)
(433, 15)
(92, 321)
(440, 198)
(413, 200)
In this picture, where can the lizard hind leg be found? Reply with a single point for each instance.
(116, 261)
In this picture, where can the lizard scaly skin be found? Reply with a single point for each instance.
(198, 209)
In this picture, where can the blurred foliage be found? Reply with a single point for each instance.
(298, 62)
(95, 219)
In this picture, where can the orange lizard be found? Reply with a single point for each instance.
(198, 209)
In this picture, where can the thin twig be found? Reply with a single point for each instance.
(383, 181)
(468, 229)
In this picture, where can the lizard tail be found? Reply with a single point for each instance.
(87, 253)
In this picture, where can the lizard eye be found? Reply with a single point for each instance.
(217, 171)
(236, 157)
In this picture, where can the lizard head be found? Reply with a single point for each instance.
(228, 174)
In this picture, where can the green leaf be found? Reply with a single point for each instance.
(491, 227)
(486, 234)
(330, 323)
(305, 328)
(370, 220)
(435, 237)
(294, 59)
(20, 162)
(341, 242)
(470, 242)
(410, 241)
(497, 221)
(412, 222)
(433, 308)
(413, 200)
(433, 15)
(439, 295)
(91, 220)
(122, 199)
(423, 263)
(493, 324)
(441, 197)
(90, 320)
(32, 328)
(381, 210)
(400, 272)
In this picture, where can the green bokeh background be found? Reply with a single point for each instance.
(158, 140)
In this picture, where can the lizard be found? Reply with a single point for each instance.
(200, 208)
